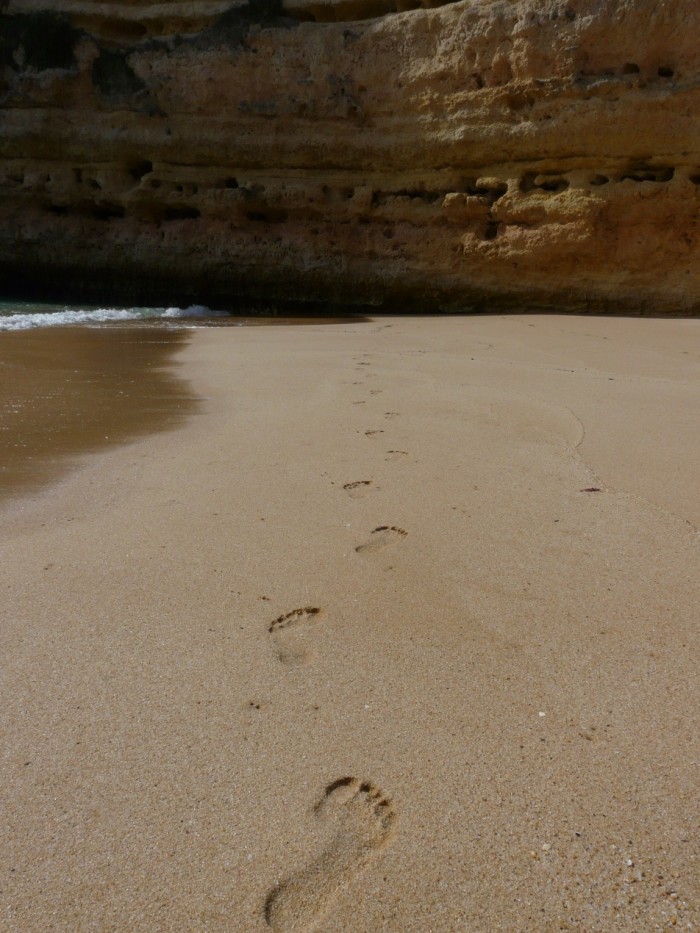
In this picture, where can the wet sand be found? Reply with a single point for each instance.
(398, 632)
(69, 390)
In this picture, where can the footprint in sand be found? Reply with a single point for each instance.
(290, 633)
(382, 537)
(365, 821)
(357, 489)
(396, 454)
(374, 431)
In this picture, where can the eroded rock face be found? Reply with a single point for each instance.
(483, 154)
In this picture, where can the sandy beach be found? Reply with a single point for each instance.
(398, 631)
(68, 390)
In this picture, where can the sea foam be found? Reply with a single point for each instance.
(25, 321)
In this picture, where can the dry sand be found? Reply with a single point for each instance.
(232, 703)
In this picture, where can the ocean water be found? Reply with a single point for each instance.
(25, 315)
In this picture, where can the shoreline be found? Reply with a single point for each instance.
(70, 391)
(73, 390)
(70, 288)
(357, 646)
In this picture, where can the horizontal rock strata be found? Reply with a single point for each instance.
(477, 155)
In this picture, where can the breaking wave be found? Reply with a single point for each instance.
(18, 317)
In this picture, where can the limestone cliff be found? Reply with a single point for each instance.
(482, 154)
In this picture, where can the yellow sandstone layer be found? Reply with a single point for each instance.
(476, 155)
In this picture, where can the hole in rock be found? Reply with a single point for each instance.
(151, 213)
(520, 101)
(180, 212)
(665, 72)
(382, 197)
(47, 39)
(552, 184)
(114, 77)
(599, 180)
(629, 68)
(641, 173)
(269, 216)
(418, 194)
(121, 29)
(138, 169)
(491, 193)
(107, 211)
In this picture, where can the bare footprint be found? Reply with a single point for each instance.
(391, 414)
(395, 454)
(357, 489)
(290, 634)
(365, 821)
(370, 433)
(382, 537)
